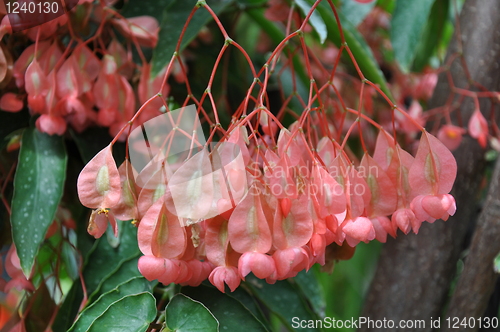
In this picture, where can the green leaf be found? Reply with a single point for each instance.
(91, 313)
(127, 269)
(433, 35)
(185, 314)
(230, 313)
(152, 8)
(71, 260)
(174, 19)
(315, 20)
(103, 259)
(359, 48)
(244, 296)
(282, 299)
(355, 12)
(132, 313)
(407, 25)
(69, 308)
(496, 263)
(310, 287)
(38, 188)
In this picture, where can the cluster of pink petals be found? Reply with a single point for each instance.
(298, 201)
(12, 291)
(80, 85)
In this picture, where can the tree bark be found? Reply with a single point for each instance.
(478, 278)
(414, 272)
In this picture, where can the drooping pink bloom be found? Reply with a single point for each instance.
(405, 220)
(289, 262)
(37, 87)
(357, 230)
(152, 267)
(160, 233)
(225, 275)
(431, 178)
(432, 207)
(99, 188)
(50, 124)
(478, 128)
(451, 136)
(144, 29)
(126, 208)
(413, 125)
(10, 102)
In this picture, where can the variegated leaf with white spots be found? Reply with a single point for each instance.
(38, 187)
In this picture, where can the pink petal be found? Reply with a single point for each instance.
(10, 102)
(152, 267)
(296, 229)
(225, 275)
(99, 181)
(261, 265)
(52, 125)
(248, 227)
(434, 169)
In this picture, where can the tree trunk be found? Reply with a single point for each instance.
(414, 272)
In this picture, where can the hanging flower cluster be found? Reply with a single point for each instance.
(65, 79)
(273, 207)
(268, 198)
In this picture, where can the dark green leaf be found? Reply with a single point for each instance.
(70, 258)
(315, 20)
(126, 270)
(152, 8)
(311, 288)
(89, 315)
(355, 12)
(38, 188)
(104, 259)
(347, 286)
(243, 295)
(174, 19)
(185, 314)
(132, 313)
(407, 25)
(282, 299)
(69, 309)
(230, 313)
(433, 35)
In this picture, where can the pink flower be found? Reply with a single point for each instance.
(152, 267)
(225, 275)
(432, 207)
(290, 261)
(405, 220)
(144, 29)
(451, 136)
(50, 124)
(261, 265)
(478, 128)
(10, 102)
(357, 230)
